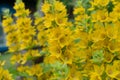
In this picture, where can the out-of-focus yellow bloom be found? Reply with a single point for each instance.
(63, 40)
(117, 76)
(100, 15)
(35, 70)
(56, 49)
(80, 10)
(114, 46)
(100, 2)
(99, 69)
(50, 59)
(22, 68)
(60, 21)
(56, 33)
(98, 35)
(116, 64)
(19, 6)
(108, 57)
(116, 9)
(74, 75)
(2, 63)
(98, 45)
(111, 31)
(111, 71)
(7, 22)
(95, 76)
(20, 9)
(46, 7)
(61, 6)
(67, 57)
(5, 75)
(48, 20)
(17, 59)
(113, 16)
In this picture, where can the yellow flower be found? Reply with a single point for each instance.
(113, 16)
(116, 64)
(81, 54)
(60, 21)
(116, 24)
(79, 10)
(111, 71)
(63, 40)
(17, 59)
(98, 35)
(60, 4)
(35, 70)
(95, 76)
(19, 6)
(48, 18)
(84, 38)
(99, 69)
(117, 9)
(7, 22)
(54, 48)
(74, 74)
(72, 47)
(38, 21)
(98, 45)
(100, 15)
(94, 17)
(80, 18)
(83, 43)
(88, 68)
(103, 2)
(117, 76)
(67, 57)
(9, 28)
(56, 33)
(22, 13)
(46, 7)
(111, 31)
(22, 68)
(23, 21)
(34, 53)
(113, 46)
(100, 2)
(5, 75)
(95, 2)
(42, 38)
(108, 57)
(20, 9)
(2, 63)
(26, 39)
(50, 59)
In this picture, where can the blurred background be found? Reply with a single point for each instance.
(33, 5)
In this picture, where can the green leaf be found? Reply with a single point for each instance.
(77, 40)
(85, 78)
(59, 70)
(46, 67)
(110, 6)
(97, 56)
(44, 52)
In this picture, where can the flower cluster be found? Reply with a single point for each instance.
(4, 74)
(86, 49)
